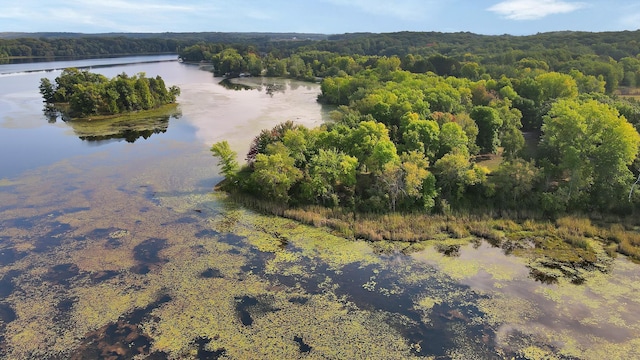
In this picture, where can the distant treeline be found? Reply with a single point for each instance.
(611, 56)
(89, 94)
(51, 45)
(84, 47)
(552, 48)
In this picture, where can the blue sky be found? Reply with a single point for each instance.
(517, 17)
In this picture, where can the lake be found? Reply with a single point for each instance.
(114, 244)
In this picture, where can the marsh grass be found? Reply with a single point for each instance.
(568, 239)
(484, 230)
(625, 241)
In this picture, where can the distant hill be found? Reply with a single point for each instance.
(552, 47)
(194, 36)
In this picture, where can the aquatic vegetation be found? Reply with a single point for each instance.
(6, 182)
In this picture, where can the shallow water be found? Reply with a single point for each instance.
(109, 246)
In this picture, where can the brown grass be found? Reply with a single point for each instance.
(575, 231)
(577, 226)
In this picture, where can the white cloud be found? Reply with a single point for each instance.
(534, 9)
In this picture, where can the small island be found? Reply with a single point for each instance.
(83, 94)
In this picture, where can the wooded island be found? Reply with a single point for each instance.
(83, 94)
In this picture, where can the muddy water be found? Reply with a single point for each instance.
(110, 247)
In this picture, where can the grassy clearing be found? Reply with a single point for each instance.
(490, 161)
(628, 92)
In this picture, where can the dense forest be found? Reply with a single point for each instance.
(85, 94)
(466, 123)
(53, 45)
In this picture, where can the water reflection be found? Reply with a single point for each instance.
(269, 86)
(228, 84)
(117, 129)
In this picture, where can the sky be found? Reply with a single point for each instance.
(491, 17)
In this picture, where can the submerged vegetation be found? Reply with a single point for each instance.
(84, 94)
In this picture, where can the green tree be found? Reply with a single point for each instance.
(222, 151)
(228, 61)
(489, 122)
(419, 182)
(370, 143)
(143, 93)
(454, 174)
(593, 146)
(514, 182)
(274, 175)
(47, 90)
(331, 173)
(556, 85)
(452, 138)
(421, 135)
(254, 64)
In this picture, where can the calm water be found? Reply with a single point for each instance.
(112, 242)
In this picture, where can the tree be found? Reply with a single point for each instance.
(47, 90)
(228, 61)
(489, 122)
(470, 129)
(593, 146)
(254, 64)
(332, 172)
(514, 182)
(144, 93)
(556, 85)
(274, 175)
(266, 137)
(452, 138)
(454, 173)
(419, 183)
(370, 143)
(227, 157)
(421, 135)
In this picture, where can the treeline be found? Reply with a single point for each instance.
(611, 57)
(85, 93)
(84, 47)
(407, 140)
(52, 45)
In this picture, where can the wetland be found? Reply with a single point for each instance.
(113, 244)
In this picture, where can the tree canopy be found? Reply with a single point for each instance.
(89, 94)
(414, 124)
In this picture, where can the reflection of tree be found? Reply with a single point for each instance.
(51, 113)
(129, 136)
(128, 129)
(227, 84)
(269, 85)
(275, 88)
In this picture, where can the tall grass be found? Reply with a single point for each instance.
(576, 231)
(628, 240)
